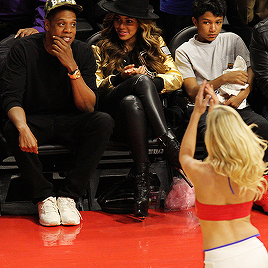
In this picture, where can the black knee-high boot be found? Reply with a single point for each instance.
(136, 128)
(142, 189)
(145, 89)
(172, 151)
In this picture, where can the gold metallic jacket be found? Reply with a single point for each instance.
(172, 78)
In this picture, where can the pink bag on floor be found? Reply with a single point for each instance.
(181, 196)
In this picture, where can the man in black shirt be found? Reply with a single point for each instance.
(49, 97)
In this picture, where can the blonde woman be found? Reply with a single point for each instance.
(226, 183)
(134, 67)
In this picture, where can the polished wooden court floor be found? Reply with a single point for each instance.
(164, 239)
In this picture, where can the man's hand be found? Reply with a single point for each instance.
(27, 141)
(63, 51)
(26, 32)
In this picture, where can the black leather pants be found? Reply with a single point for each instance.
(140, 106)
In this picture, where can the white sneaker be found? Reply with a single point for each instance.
(49, 212)
(68, 212)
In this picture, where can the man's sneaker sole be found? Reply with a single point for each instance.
(49, 224)
(70, 222)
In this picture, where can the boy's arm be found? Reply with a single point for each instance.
(84, 97)
(237, 77)
(235, 101)
(191, 87)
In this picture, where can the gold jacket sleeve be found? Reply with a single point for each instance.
(172, 78)
(103, 83)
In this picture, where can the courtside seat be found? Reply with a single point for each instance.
(57, 160)
(182, 36)
(84, 25)
(54, 158)
(83, 29)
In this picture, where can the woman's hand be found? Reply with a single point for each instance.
(141, 70)
(128, 71)
(201, 103)
(212, 95)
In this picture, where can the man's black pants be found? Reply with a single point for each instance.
(87, 133)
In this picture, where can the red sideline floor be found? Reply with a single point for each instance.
(162, 240)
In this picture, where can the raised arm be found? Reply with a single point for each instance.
(187, 150)
(84, 97)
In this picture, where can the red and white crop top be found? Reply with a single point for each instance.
(222, 212)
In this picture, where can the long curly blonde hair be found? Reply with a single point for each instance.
(113, 50)
(234, 150)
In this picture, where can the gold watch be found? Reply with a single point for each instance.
(75, 74)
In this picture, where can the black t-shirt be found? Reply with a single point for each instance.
(38, 82)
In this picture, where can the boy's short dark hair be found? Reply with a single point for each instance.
(216, 7)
